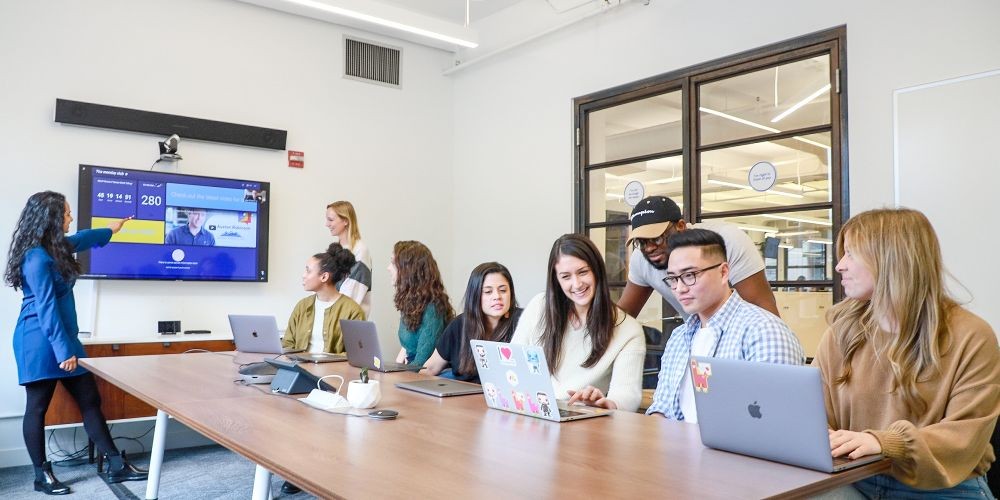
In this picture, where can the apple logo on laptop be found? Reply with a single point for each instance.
(254, 334)
(754, 410)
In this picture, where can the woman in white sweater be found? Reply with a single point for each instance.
(342, 222)
(594, 350)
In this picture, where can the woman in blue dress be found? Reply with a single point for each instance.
(41, 264)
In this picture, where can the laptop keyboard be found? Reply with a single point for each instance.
(569, 413)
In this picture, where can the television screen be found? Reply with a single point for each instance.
(186, 227)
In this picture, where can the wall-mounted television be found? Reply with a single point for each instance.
(186, 227)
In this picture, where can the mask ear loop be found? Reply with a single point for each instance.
(341, 386)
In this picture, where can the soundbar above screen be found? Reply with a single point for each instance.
(186, 227)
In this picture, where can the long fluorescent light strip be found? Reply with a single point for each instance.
(740, 186)
(801, 103)
(806, 220)
(383, 22)
(824, 242)
(760, 229)
(762, 127)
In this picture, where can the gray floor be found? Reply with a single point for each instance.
(208, 472)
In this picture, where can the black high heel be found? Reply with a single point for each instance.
(45, 481)
(119, 469)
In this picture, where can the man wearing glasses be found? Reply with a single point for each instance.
(656, 218)
(720, 323)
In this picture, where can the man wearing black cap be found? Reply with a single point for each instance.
(654, 219)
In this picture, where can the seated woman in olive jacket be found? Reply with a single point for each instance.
(315, 332)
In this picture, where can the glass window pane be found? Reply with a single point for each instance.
(804, 311)
(662, 176)
(794, 244)
(801, 168)
(637, 128)
(787, 97)
(611, 242)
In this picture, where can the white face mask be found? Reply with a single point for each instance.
(325, 400)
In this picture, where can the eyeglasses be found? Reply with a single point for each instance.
(688, 278)
(658, 241)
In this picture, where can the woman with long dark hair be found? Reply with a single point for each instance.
(594, 350)
(908, 372)
(490, 313)
(420, 298)
(41, 264)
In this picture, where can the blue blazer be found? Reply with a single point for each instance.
(47, 332)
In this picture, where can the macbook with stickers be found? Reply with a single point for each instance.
(257, 334)
(363, 351)
(765, 410)
(516, 378)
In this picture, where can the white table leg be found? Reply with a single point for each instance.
(156, 455)
(261, 484)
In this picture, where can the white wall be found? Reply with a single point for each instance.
(388, 151)
(513, 112)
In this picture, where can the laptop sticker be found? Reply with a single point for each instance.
(491, 393)
(532, 357)
(518, 399)
(481, 354)
(506, 355)
(532, 406)
(700, 372)
(377, 363)
(512, 378)
(543, 404)
(504, 402)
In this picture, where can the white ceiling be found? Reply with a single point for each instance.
(453, 10)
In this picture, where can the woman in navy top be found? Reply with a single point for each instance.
(41, 264)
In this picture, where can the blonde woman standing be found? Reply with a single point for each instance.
(342, 222)
(907, 371)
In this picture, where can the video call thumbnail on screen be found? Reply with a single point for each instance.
(185, 227)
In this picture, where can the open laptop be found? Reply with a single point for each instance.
(257, 334)
(363, 350)
(441, 387)
(516, 378)
(765, 410)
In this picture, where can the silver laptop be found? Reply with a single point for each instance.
(516, 378)
(363, 350)
(765, 410)
(256, 334)
(441, 387)
(318, 357)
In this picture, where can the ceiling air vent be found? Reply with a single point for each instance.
(368, 62)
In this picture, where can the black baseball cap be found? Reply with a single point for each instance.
(652, 216)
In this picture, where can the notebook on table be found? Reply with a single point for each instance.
(765, 410)
(516, 378)
(253, 333)
(441, 387)
(363, 350)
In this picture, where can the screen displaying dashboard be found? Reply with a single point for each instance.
(185, 227)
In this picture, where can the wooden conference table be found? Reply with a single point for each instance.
(446, 447)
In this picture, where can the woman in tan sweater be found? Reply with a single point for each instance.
(907, 372)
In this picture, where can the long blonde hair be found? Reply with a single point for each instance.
(345, 210)
(901, 250)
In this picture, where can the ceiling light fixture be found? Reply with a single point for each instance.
(759, 229)
(762, 127)
(821, 242)
(798, 233)
(801, 218)
(801, 103)
(390, 17)
(741, 186)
